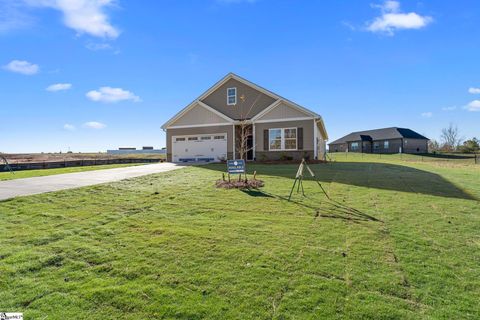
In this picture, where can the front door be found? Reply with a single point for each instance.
(250, 147)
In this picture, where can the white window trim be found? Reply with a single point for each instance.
(228, 102)
(282, 139)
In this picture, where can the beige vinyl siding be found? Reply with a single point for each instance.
(200, 130)
(321, 143)
(255, 101)
(283, 111)
(305, 124)
(198, 115)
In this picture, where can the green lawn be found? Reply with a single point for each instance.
(401, 240)
(7, 175)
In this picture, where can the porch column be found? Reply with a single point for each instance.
(234, 157)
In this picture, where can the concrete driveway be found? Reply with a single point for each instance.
(28, 186)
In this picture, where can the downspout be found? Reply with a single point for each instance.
(166, 144)
(254, 138)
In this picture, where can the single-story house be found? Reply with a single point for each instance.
(386, 140)
(237, 119)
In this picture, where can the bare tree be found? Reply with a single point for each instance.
(433, 145)
(245, 129)
(451, 138)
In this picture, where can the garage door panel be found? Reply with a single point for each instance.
(205, 147)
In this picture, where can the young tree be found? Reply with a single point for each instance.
(244, 128)
(451, 138)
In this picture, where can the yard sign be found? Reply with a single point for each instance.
(236, 166)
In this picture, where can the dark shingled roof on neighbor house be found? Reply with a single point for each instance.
(380, 134)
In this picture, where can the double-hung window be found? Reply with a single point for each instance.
(282, 139)
(354, 146)
(231, 96)
(386, 144)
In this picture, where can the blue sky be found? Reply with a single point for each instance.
(93, 75)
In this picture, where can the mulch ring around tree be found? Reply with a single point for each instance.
(239, 183)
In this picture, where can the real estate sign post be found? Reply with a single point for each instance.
(236, 166)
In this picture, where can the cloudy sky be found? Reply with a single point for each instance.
(88, 75)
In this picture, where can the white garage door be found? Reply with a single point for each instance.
(202, 147)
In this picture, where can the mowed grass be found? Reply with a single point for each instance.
(398, 241)
(7, 175)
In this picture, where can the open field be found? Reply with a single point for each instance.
(47, 157)
(400, 241)
(48, 172)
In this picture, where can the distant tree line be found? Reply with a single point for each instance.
(451, 141)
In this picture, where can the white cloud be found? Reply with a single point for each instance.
(58, 87)
(473, 106)
(84, 16)
(427, 114)
(94, 125)
(69, 127)
(348, 25)
(12, 16)
(449, 108)
(392, 19)
(388, 6)
(474, 90)
(98, 46)
(21, 66)
(110, 95)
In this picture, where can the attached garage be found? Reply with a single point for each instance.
(198, 148)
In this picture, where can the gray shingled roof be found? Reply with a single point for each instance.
(380, 134)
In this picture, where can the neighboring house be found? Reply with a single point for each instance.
(387, 140)
(209, 128)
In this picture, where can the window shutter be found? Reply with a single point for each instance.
(265, 140)
(300, 138)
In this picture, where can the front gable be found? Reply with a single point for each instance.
(282, 111)
(198, 115)
(250, 101)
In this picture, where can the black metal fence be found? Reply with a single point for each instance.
(425, 157)
(72, 163)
